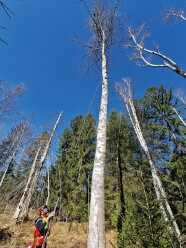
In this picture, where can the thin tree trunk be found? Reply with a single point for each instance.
(121, 188)
(48, 180)
(147, 203)
(179, 117)
(160, 193)
(60, 191)
(96, 236)
(36, 176)
(157, 183)
(20, 205)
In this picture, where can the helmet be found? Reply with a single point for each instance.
(42, 210)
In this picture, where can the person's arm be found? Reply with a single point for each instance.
(41, 225)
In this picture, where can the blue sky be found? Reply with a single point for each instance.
(41, 54)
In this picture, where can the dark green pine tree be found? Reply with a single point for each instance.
(175, 182)
(168, 145)
(71, 175)
(158, 106)
(143, 225)
(132, 208)
(121, 151)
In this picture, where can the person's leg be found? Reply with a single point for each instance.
(40, 242)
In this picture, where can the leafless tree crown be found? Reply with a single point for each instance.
(8, 97)
(104, 25)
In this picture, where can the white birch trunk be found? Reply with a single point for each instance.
(160, 193)
(179, 117)
(20, 205)
(36, 176)
(96, 236)
(155, 176)
(153, 170)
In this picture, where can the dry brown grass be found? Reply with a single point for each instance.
(63, 235)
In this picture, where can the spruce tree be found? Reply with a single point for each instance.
(71, 175)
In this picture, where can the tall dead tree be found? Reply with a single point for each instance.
(126, 94)
(102, 24)
(20, 205)
(22, 209)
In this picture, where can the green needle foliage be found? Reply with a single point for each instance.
(71, 175)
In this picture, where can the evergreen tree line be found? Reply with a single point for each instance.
(131, 206)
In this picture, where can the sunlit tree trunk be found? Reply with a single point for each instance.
(96, 237)
(37, 174)
(181, 119)
(160, 193)
(20, 205)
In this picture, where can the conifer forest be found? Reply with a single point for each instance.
(92, 124)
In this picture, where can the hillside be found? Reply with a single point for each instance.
(64, 235)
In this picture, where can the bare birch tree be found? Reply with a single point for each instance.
(126, 94)
(22, 209)
(8, 97)
(102, 24)
(20, 205)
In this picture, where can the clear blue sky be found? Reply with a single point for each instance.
(41, 54)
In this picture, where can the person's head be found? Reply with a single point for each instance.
(43, 210)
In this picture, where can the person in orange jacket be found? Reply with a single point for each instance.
(41, 225)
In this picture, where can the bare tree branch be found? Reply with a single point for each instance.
(170, 14)
(137, 38)
(181, 95)
(8, 97)
(8, 12)
(6, 9)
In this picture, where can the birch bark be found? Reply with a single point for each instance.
(160, 193)
(36, 176)
(96, 237)
(156, 180)
(20, 205)
(181, 119)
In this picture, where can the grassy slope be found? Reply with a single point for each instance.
(63, 235)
